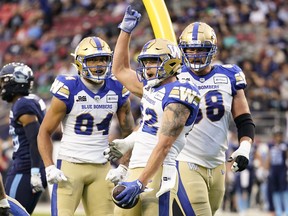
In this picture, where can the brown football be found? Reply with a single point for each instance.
(116, 191)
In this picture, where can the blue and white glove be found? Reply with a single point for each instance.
(240, 157)
(35, 181)
(117, 175)
(54, 175)
(130, 20)
(132, 190)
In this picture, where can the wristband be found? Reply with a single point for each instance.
(245, 147)
(35, 170)
(130, 140)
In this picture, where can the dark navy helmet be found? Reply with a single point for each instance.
(15, 79)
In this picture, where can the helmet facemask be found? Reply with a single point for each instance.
(201, 57)
(143, 71)
(96, 73)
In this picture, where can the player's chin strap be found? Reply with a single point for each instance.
(168, 179)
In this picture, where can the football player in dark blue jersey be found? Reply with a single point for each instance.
(277, 166)
(26, 177)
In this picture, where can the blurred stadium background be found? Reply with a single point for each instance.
(251, 33)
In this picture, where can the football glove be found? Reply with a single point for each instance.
(36, 181)
(168, 179)
(117, 175)
(130, 20)
(54, 175)
(132, 190)
(240, 157)
(118, 147)
(4, 211)
(4, 207)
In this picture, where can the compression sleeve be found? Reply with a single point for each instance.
(31, 131)
(245, 126)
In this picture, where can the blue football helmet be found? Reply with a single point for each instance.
(15, 79)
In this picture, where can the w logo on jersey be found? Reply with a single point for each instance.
(60, 88)
(185, 94)
(175, 51)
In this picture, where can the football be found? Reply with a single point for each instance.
(116, 191)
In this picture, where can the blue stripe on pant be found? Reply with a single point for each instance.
(183, 197)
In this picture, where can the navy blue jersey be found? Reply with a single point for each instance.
(32, 105)
(278, 168)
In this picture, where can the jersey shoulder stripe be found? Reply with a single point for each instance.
(62, 86)
(235, 74)
(184, 92)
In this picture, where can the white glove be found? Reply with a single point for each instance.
(4, 207)
(54, 175)
(168, 179)
(241, 157)
(118, 147)
(36, 181)
(261, 174)
(4, 203)
(117, 175)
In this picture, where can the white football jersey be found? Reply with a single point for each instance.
(87, 122)
(207, 141)
(153, 103)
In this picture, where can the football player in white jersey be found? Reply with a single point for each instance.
(202, 160)
(85, 106)
(169, 109)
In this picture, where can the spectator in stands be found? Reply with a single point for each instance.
(277, 165)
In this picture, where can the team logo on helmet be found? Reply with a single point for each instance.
(16, 79)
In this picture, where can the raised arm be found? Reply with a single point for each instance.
(121, 59)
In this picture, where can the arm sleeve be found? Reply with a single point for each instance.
(31, 131)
